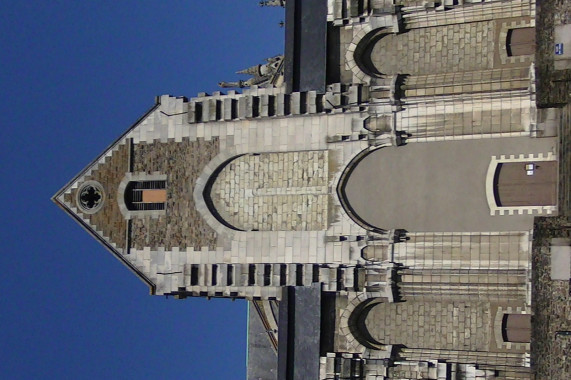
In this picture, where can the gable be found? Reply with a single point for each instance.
(104, 221)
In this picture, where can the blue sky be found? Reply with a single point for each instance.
(74, 75)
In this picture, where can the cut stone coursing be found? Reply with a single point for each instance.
(274, 191)
(459, 47)
(438, 325)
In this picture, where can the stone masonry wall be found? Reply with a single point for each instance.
(108, 219)
(459, 47)
(182, 226)
(464, 250)
(437, 325)
(274, 191)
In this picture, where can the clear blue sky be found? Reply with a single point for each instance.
(74, 75)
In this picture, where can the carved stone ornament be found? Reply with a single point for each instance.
(90, 197)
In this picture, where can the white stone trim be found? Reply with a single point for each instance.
(359, 76)
(497, 330)
(373, 24)
(497, 210)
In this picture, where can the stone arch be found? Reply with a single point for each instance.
(201, 189)
(342, 196)
(208, 190)
(269, 191)
(362, 53)
(357, 55)
(364, 32)
(351, 325)
(409, 187)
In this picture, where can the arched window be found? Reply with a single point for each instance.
(516, 328)
(145, 195)
(520, 41)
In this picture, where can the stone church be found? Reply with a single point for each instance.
(371, 192)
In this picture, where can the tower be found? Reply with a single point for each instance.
(372, 193)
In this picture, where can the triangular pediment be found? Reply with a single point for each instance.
(90, 198)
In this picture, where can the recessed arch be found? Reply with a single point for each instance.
(499, 190)
(206, 194)
(342, 196)
(359, 340)
(358, 327)
(363, 50)
(416, 187)
(271, 191)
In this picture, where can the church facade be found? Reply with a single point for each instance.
(371, 192)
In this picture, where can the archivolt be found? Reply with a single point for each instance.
(352, 324)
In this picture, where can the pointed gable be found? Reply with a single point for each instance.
(138, 194)
(91, 197)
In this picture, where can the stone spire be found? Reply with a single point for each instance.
(267, 73)
(254, 70)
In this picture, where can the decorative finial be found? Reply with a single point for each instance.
(272, 3)
(265, 74)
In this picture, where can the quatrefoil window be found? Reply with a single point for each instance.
(90, 197)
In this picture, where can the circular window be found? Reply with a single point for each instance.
(90, 197)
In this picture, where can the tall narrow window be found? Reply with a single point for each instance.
(146, 195)
(521, 41)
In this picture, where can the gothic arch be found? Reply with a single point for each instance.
(201, 190)
(365, 34)
(208, 197)
(342, 196)
(267, 191)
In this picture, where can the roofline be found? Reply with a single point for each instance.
(88, 228)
